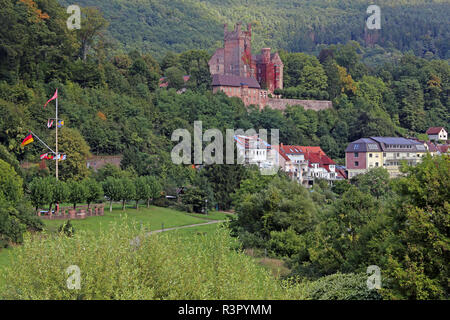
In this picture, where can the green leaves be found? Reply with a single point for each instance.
(78, 192)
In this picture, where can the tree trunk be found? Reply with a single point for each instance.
(123, 205)
(74, 206)
(50, 208)
(137, 204)
(148, 203)
(84, 49)
(110, 206)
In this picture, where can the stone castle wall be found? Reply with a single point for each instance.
(316, 105)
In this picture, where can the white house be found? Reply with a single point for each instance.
(437, 134)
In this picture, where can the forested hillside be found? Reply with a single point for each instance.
(111, 103)
(157, 26)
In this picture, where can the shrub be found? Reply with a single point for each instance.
(341, 287)
(67, 228)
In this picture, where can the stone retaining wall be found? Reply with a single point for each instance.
(316, 105)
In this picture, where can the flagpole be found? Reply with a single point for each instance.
(34, 135)
(57, 160)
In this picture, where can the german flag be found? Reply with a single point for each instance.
(29, 139)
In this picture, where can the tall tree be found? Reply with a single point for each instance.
(92, 26)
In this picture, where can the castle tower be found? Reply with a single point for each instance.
(238, 51)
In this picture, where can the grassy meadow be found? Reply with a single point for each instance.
(153, 218)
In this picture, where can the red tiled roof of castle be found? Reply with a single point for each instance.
(434, 130)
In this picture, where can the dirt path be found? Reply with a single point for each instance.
(188, 226)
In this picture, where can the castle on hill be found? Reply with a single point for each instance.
(252, 78)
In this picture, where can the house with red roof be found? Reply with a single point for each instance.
(305, 164)
(437, 134)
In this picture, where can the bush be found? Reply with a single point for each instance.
(341, 287)
(67, 229)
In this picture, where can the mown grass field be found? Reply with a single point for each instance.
(154, 218)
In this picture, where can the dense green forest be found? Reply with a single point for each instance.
(110, 100)
(157, 26)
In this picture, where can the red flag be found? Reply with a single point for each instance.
(53, 98)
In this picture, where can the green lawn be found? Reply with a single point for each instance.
(200, 230)
(4, 257)
(213, 215)
(154, 217)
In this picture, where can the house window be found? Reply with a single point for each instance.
(376, 164)
(370, 155)
(356, 164)
(356, 154)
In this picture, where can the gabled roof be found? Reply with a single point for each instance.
(251, 142)
(322, 159)
(434, 130)
(431, 146)
(281, 153)
(291, 149)
(363, 145)
(313, 150)
(234, 81)
(443, 148)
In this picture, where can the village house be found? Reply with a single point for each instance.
(388, 152)
(437, 134)
(306, 164)
(252, 150)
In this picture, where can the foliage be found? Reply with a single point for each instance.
(10, 184)
(41, 191)
(194, 198)
(60, 191)
(151, 267)
(15, 213)
(66, 228)
(94, 190)
(112, 189)
(282, 205)
(375, 181)
(127, 190)
(418, 265)
(72, 143)
(415, 25)
(77, 193)
(341, 287)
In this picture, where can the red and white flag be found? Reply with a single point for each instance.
(53, 98)
(50, 123)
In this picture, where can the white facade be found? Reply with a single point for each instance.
(253, 150)
(441, 136)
